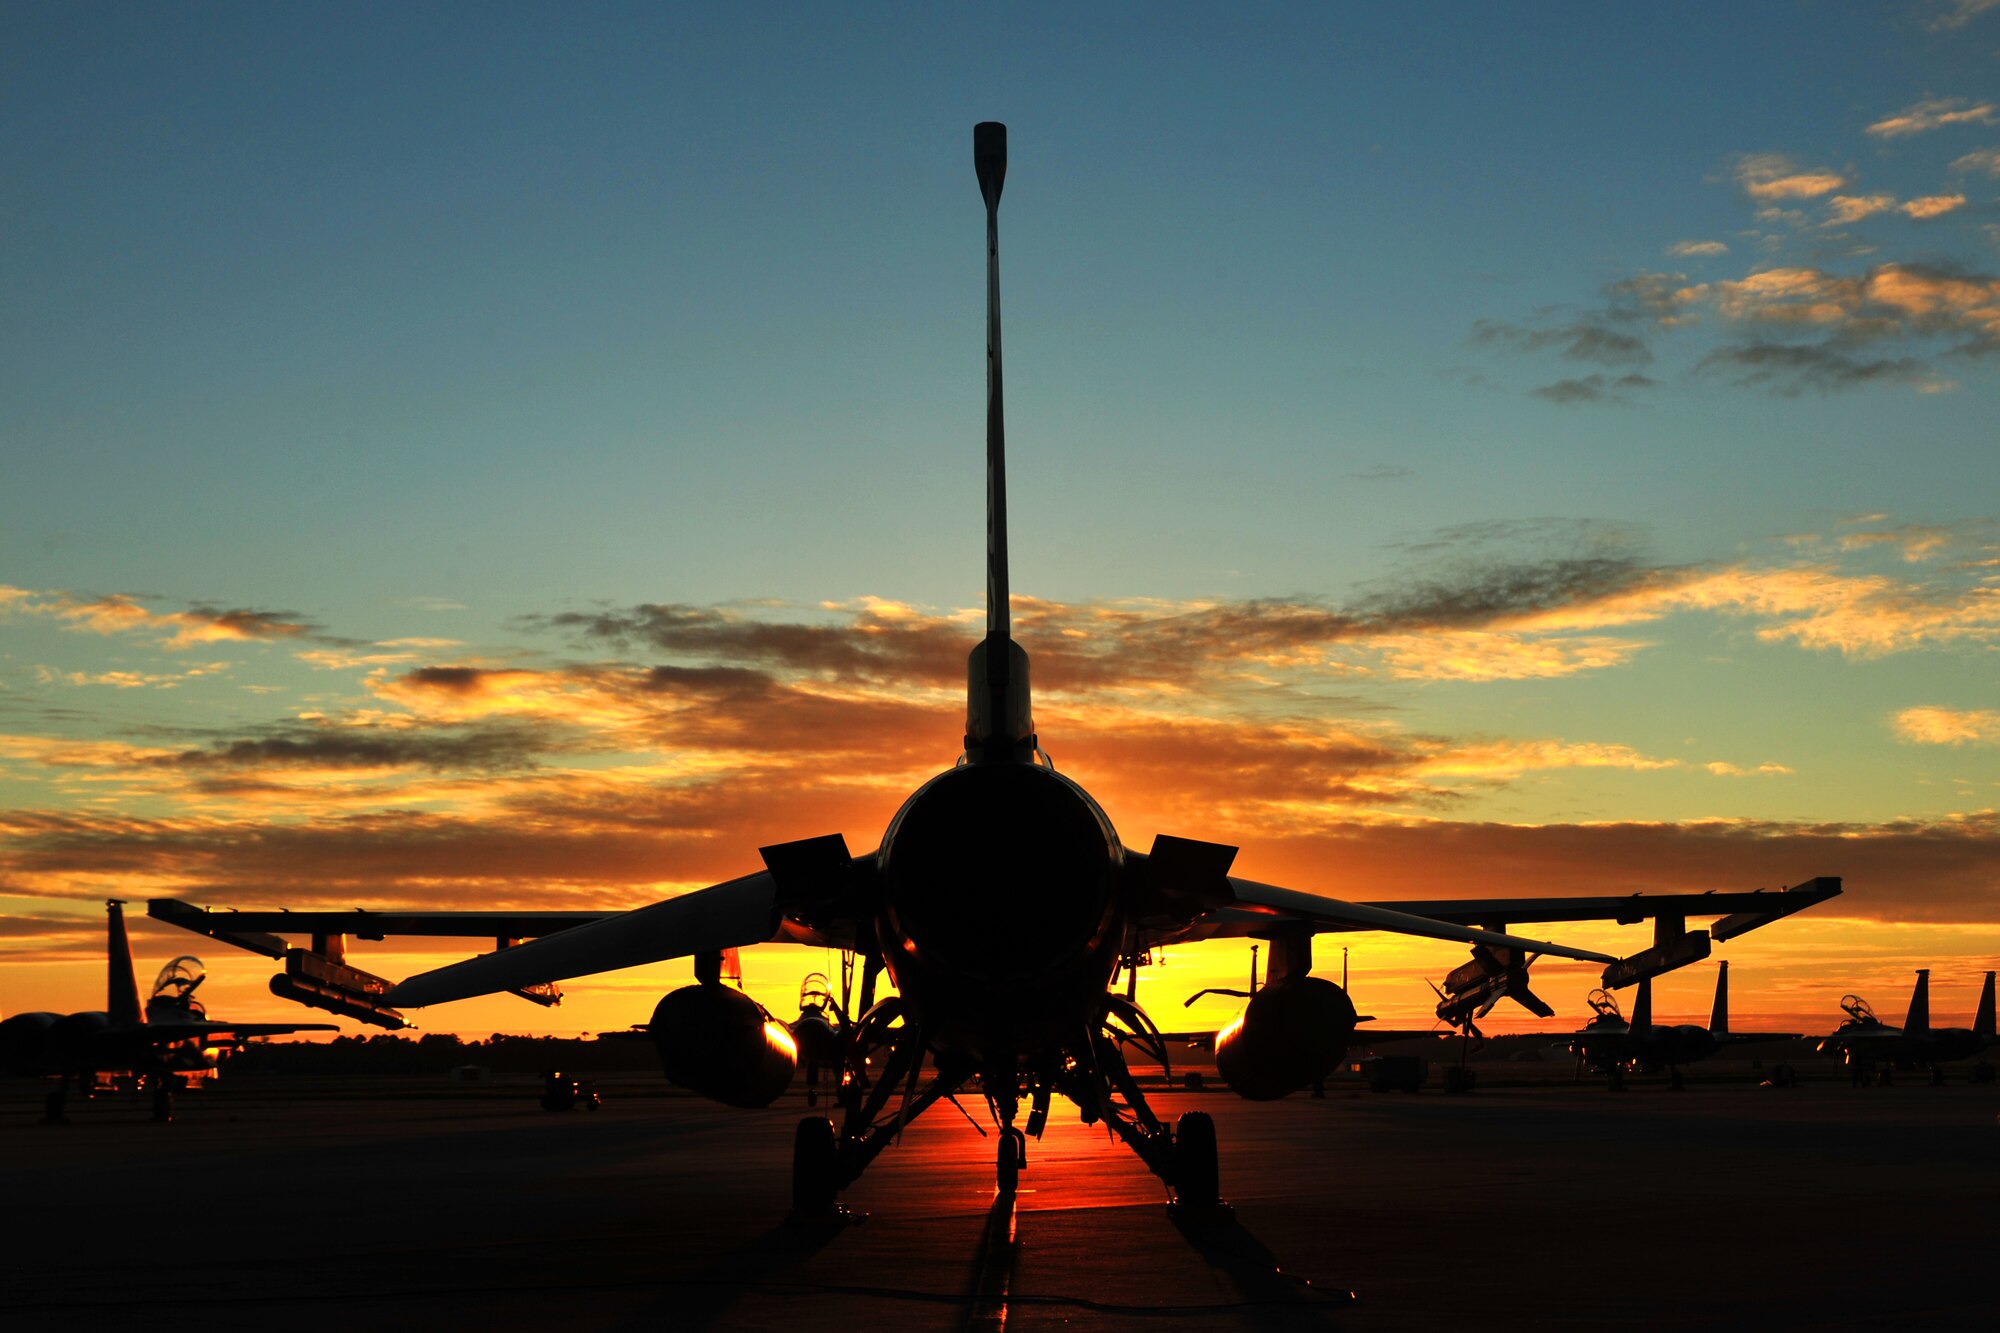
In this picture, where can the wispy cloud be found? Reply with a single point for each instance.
(1578, 342)
(1697, 249)
(1791, 368)
(1985, 160)
(1932, 206)
(1948, 726)
(120, 614)
(1768, 177)
(1843, 209)
(130, 680)
(1958, 13)
(1934, 114)
(1593, 389)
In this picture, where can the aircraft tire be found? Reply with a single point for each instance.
(1197, 1174)
(813, 1157)
(1013, 1147)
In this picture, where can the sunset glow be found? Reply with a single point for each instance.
(462, 492)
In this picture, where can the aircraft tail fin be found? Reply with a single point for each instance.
(1642, 1008)
(999, 723)
(1718, 1017)
(121, 1000)
(1919, 1019)
(1982, 1023)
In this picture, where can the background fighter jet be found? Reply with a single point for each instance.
(172, 1036)
(1003, 905)
(1610, 1045)
(1866, 1043)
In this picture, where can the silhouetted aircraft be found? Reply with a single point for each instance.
(1866, 1043)
(1610, 1045)
(171, 1037)
(1003, 906)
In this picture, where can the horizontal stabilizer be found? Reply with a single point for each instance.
(725, 916)
(1186, 876)
(1290, 904)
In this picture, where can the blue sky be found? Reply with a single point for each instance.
(1623, 376)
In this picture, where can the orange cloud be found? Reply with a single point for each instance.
(1947, 726)
(1933, 114)
(1788, 296)
(1933, 206)
(1480, 655)
(119, 614)
(1769, 176)
(1844, 208)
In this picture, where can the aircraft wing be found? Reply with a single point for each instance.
(1258, 908)
(1739, 912)
(162, 1034)
(724, 916)
(1745, 1038)
(1365, 1037)
(259, 932)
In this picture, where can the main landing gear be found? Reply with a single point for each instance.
(886, 1055)
(1197, 1170)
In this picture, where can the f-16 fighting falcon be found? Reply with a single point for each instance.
(1004, 907)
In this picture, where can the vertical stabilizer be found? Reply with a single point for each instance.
(1718, 1017)
(1642, 1008)
(998, 721)
(1920, 1004)
(1982, 1022)
(121, 1000)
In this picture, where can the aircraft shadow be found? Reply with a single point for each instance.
(1273, 1298)
(706, 1299)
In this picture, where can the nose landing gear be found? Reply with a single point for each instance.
(1013, 1158)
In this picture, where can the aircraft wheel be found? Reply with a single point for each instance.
(163, 1103)
(814, 1154)
(54, 1109)
(1013, 1156)
(1197, 1174)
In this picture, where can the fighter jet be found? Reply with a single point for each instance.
(1003, 905)
(170, 1038)
(1865, 1043)
(1610, 1045)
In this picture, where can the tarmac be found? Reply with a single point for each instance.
(276, 1202)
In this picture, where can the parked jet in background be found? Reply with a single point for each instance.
(1003, 905)
(1866, 1043)
(170, 1038)
(1611, 1046)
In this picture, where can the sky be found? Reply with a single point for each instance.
(530, 456)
